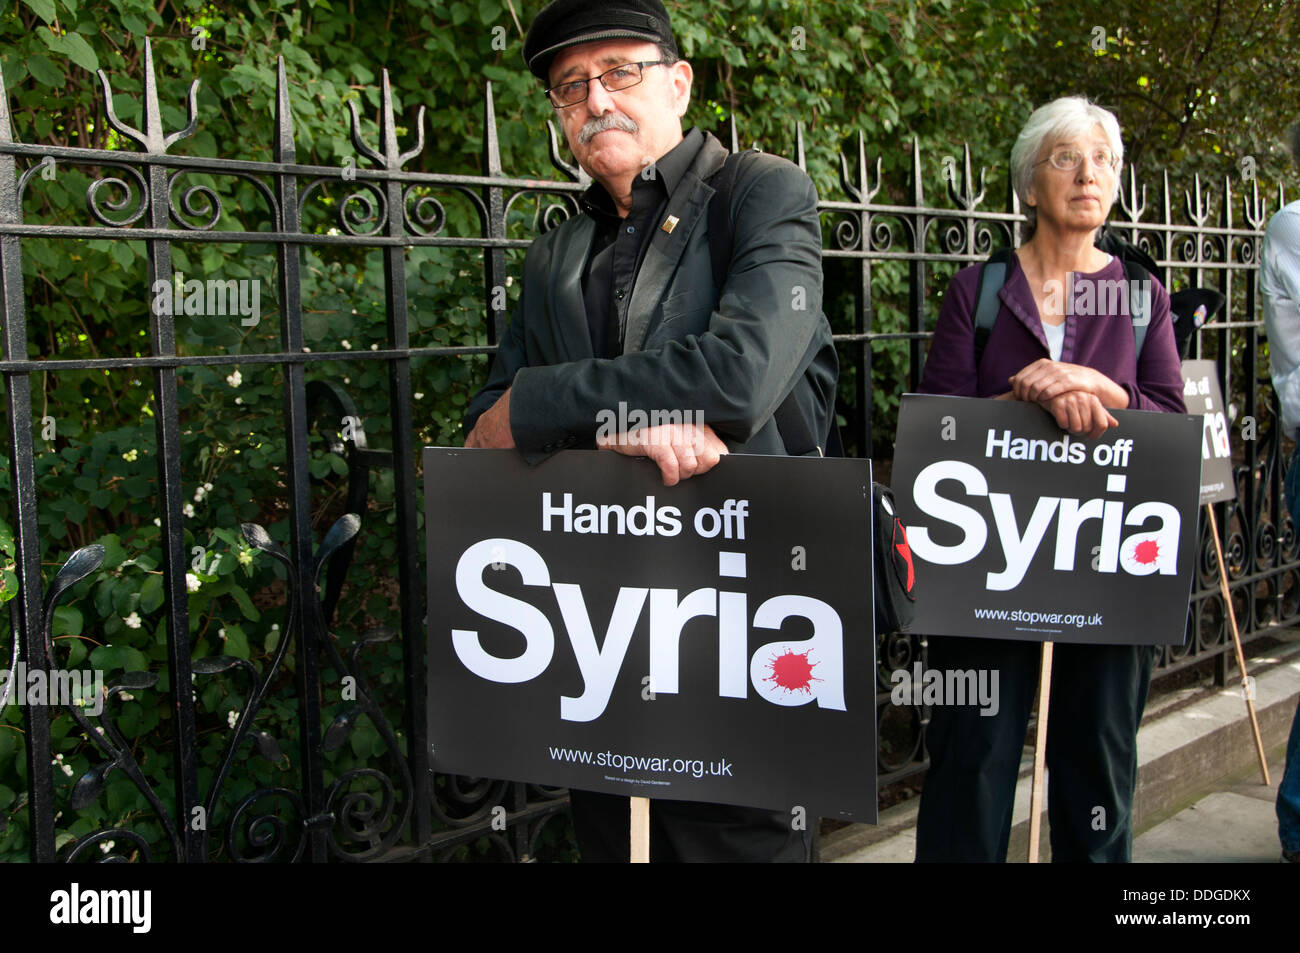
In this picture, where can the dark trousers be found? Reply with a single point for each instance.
(687, 832)
(1098, 694)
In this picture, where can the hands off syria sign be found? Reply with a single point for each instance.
(1034, 534)
(713, 641)
(1202, 396)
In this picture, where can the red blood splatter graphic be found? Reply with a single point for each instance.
(792, 671)
(1146, 551)
(905, 551)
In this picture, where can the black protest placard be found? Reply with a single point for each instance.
(713, 641)
(1027, 532)
(1202, 396)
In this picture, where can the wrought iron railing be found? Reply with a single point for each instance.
(401, 811)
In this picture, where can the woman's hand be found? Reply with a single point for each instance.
(1080, 413)
(1045, 380)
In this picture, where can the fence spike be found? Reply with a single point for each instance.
(491, 144)
(6, 131)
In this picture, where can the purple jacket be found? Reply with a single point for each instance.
(1103, 343)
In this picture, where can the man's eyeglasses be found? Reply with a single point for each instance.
(620, 77)
(1067, 158)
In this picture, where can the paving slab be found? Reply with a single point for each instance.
(1224, 828)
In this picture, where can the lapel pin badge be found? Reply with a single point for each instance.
(669, 224)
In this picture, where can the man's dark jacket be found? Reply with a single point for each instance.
(733, 354)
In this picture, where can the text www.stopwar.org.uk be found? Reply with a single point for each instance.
(1078, 619)
(1202, 920)
(695, 767)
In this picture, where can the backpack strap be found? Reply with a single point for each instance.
(721, 233)
(1139, 303)
(993, 275)
(1138, 269)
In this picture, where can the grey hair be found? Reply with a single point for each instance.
(1292, 137)
(1063, 118)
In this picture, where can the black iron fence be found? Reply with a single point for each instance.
(384, 803)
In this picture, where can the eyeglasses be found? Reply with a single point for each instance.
(620, 77)
(1067, 158)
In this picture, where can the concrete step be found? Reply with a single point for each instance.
(1197, 771)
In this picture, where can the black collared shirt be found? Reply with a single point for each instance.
(620, 243)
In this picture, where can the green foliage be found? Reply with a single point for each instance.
(1204, 84)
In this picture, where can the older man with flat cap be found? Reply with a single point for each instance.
(651, 299)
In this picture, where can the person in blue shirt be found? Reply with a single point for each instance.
(1279, 282)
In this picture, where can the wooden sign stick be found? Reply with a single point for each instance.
(1236, 641)
(640, 830)
(1040, 751)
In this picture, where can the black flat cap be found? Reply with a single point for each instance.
(566, 23)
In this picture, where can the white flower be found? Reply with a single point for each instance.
(275, 627)
(306, 350)
(207, 488)
(199, 493)
(235, 379)
(374, 347)
(157, 521)
(192, 582)
(188, 510)
(221, 634)
(106, 845)
(67, 769)
(126, 696)
(418, 395)
(232, 718)
(346, 345)
(132, 621)
(239, 400)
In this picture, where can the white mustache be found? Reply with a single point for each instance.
(604, 124)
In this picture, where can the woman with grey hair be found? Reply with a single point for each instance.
(1076, 366)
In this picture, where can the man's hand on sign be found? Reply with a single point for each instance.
(1045, 380)
(492, 431)
(1080, 413)
(680, 450)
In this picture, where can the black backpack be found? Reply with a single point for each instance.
(895, 572)
(895, 588)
